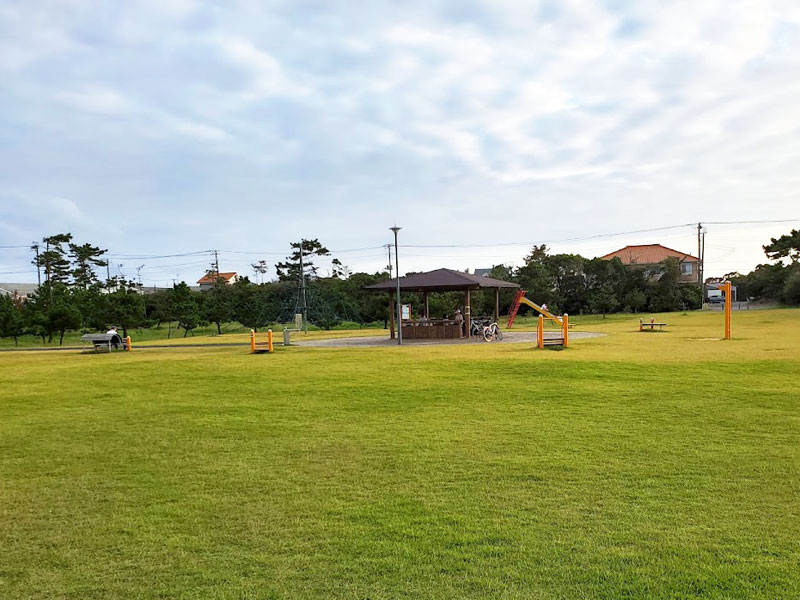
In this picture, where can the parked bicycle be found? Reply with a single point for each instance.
(486, 328)
(492, 332)
(477, 326)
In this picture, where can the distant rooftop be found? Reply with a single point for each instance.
(19, 289)
(212, 277)
(647, 254)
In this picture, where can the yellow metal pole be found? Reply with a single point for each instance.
(269, 340)
(128, 343)
(540, 333)
(565, 329)
(252, 341)
(728, 307)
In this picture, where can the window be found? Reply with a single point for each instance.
(686, 268)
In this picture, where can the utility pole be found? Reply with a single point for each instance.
(389, 249)
(139, 274)
(216, 263)
(35, 248)
(47, 264)
(703, 263)
(303, 289)
(395, 229)
(700, 249)
(47, 271)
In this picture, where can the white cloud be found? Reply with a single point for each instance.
(693, 107)
(97, 99)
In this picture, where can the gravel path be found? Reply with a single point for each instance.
(508, 337)
(345, 342)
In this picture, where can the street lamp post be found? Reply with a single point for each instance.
(395, 229)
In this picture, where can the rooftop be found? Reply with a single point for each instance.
(441, 280)
(212, 277)
(647, 254)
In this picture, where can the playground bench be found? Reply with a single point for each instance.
(103, 341)
(652, 325)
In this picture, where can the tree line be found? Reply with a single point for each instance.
(779, 280)
(72, 297)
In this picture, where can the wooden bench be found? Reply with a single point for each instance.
(104, 341)
(651, 324)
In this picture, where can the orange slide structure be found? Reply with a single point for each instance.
(521, 299)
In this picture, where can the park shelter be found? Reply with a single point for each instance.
(445, 280)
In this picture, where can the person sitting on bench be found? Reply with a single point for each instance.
(116, 340)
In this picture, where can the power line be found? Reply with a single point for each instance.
(573, 239)
(751, 222)
(155, 256)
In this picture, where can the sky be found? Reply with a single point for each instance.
(161, 128)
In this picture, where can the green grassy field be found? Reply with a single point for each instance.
(635, 465)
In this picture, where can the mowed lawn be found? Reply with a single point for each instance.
(636, 465)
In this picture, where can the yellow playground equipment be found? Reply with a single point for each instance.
(261, 347)
(521, 299)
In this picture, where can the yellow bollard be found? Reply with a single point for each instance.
(128, 343)
(565, 329)
(269, 340)
(540, 332)
(252, 341)
(728, 307)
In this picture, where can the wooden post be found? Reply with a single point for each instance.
(269, 340)
(496, 304)
(728, 306)
(252, 341)
(565, 329)
(391, 318)
(128, 343)
(540, 332)
(427, 307)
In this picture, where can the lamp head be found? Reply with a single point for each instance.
(395, 229)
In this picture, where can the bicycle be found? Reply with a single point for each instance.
(492, 332)
(477, 326)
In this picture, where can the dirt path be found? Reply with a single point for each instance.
(508, 337)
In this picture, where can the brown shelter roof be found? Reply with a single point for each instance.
(441, 280)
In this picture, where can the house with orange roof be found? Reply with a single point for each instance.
(649, 255)
(207, 281)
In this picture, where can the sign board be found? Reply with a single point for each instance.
(405, 311)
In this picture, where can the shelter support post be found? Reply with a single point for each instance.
(496, 304)
(426, 305)
(467, 315)
(391, 318)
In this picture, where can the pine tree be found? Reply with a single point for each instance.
(84, 258)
